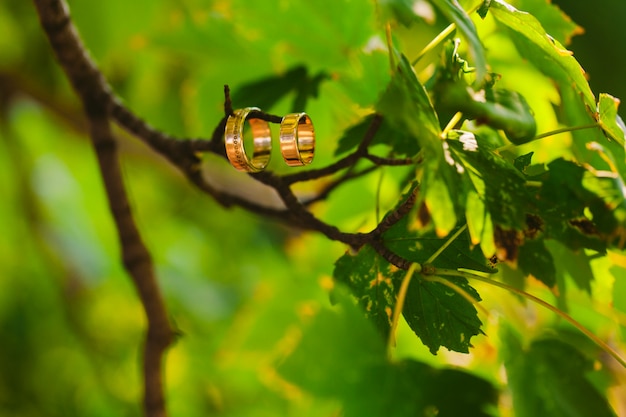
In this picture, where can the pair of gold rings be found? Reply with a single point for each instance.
(297, 140)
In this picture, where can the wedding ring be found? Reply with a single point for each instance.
(297, 139)
(234, 141)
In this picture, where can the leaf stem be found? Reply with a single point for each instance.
(564, 130)
(446, 244)
(397, 310)
(379, 187)
(458, 290)
(441, 37)
(392, 59)
(435, 42)
(453, 121)
(550, 133)
(601, 343)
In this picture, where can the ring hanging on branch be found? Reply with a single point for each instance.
(297, 139)
(234, 141)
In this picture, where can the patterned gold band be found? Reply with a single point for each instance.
(234, 141)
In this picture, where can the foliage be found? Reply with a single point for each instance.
(516, 167)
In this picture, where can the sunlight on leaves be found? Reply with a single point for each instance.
(609, 120)
(453, 11)
(373, 283)
(543, 51)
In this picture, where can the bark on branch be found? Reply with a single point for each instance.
(93, 91)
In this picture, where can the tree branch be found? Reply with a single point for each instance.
(389, 255)
(396, 215)
(138, 263)
(92, 88)
(102, 106)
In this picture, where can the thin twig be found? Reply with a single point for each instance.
(446, 244)
(440, 37)
(344, 162)
(601, 343)
(332, 186)
(305, 218)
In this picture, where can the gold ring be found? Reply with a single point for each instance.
(297, 139)
(234, 138)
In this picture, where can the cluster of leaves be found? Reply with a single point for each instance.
(472, 172)
(512, 208)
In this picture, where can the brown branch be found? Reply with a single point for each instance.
(396, 215)
(390, 256)
(344, 162)
(138, 263)
(179, 152)
(92, 89)
(303, 218)
(379, 160)
(100, 104)
(86, 77)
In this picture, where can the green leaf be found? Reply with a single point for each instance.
(357, 373)
(562, 202)
(453, 11)
(418, 246)
(479, 224)
(353, 135)
(563, 185)
(523, 161)
(549, 379)
(268, 91)
(576, 113)
(559, 25)
(372, 283)
(484, 9)
(355, 370)
(399, 141)
(437, 314)
(535, 259)
(609, 120)
(412, 388)
(291, 26)
(575, 264)
(407, 106)
(440, 316)
(472, 396)
(496, 181)
(544, 52)
(402, 10)
(608, 210)
(326, 362)
(619, 292)
(498, 108)
(438, 197)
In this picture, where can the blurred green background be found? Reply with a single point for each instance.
(235, 284)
